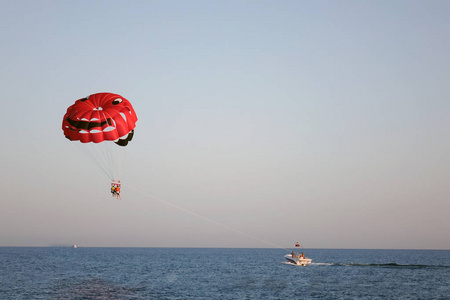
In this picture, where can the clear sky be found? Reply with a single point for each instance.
(324, 122)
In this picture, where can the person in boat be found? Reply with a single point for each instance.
(303, 255)
(293, 254)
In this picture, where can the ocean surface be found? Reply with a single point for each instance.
(210, 273)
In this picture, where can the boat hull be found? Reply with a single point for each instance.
(301, 261)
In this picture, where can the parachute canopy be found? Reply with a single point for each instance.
(100, 117)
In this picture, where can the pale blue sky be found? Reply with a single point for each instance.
(324, 122)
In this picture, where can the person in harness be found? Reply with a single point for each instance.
(115, 189)
(118, 191)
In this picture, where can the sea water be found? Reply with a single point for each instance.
(212, 273)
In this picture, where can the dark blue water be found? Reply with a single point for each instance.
(177, 273)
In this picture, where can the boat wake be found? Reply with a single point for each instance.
(322, 264)
(390, 265)
(387, 265)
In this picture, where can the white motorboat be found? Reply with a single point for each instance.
(298, 259)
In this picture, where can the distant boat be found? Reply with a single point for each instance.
(74, 246)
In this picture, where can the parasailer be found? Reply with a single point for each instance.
(118, 192)
(297, 245)
(115, 189)
(103, 120)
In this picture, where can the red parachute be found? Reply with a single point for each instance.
(99, 122)
(100, 117)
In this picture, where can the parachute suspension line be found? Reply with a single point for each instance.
(108, 152)
(120, 159)
(209, 220)
(101, 151)
(105, 152)
(107, 156)
(88, 151)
